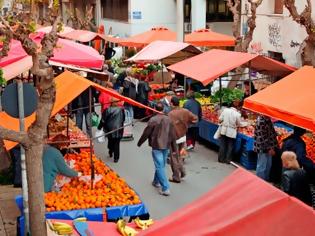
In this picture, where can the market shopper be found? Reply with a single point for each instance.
(194, 107)
(294, 178)
(229, 121)
(113, 119)
(296, 144)
(166, 101)
(130, 89)
(53, 165)
(161, 135)
(265, 144)
(181, 119)
(142, 97)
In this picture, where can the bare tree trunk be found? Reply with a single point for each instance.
(5, 159)
(304, 19)
(242, 44)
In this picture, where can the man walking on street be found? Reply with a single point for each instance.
(181, 119)
(161, 134)
(265, 144)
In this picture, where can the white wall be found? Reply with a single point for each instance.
(122, 29)
(275, 32)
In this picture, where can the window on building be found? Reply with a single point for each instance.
(217, 10)
(115, 9)
(278, 7)
(187, 10)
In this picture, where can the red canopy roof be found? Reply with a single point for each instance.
(206, 37)
(143, 39)
(290, 99)
(168, 51)
(241, 205)
(210, 65)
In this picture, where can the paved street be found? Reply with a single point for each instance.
(136, 166)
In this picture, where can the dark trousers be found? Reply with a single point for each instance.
(113, 147)
(226, 149)
(192, 135)
(177, 164)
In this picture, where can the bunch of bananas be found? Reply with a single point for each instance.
(60, 228)
(204, 101)
(81, 219)
(124, 229)
(143, 224)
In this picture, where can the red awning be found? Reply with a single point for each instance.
(290, 99)
(214, 63)
(166, 51)
(241, 205)
(143, 39)
(206, 37)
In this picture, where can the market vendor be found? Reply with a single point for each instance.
(53, 165)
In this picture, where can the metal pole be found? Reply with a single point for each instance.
(91, 146)
(185, 81)
(68, 121)
(250, 79)
(23, 162)
(162, 74)
(220, 83)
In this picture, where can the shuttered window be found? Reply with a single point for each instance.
(115, 9)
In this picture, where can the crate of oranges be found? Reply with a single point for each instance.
(109, 191)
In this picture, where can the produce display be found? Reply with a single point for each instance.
(111, 190)
(228, 95)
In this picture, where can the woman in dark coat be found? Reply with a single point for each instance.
(113, 119)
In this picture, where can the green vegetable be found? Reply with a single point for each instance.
(228, 95)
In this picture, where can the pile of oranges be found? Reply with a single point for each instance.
(111, 190)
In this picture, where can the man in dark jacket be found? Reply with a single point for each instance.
(296, 144)
(161, 135)
(181, 119)
(113, 119)
(142, 97)
(194, 107)
(265, 143)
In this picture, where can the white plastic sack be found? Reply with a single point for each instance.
(99, 134)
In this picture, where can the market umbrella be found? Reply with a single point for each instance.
(206, 37)
(16, 53)
(143, 39)
(66, 52)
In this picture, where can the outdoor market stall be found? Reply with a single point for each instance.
(206, 37)
(291, 100)
(127, 204)
(211, 65)
(241, 205)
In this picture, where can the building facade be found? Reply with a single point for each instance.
(276, 34)
(130, 17)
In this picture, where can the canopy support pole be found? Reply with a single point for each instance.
(185, 86)
(162, 74)
(23, 161)
(220, 88)
(250, 78)
(90, 138)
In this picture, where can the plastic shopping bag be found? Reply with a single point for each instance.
(100, 135)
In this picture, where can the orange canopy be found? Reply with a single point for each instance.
(214, 63)
(143, 39)
(290, 99)
(241, 205)
(68, 87)
(206, 37)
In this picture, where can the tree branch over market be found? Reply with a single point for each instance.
(304, 19)
(37, 131)
(242, 42)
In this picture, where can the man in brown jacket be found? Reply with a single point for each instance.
(161, 134)
(181, 119)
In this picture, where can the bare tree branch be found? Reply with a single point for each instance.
(15, 136)
(234, 8)
(304, 19)
(7, 36)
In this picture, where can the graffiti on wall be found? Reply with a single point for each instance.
(274, 35)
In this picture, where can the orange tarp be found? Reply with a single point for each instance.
(68, 87)
(242, 205)
(206, 37)
(290, 99)
(214, 63)
(143, 39)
